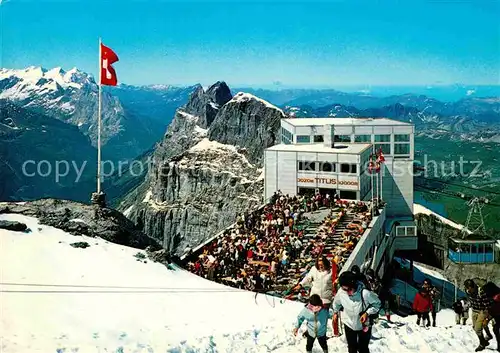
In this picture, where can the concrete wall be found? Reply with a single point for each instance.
(397, 187)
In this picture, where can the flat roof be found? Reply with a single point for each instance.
(343, 148)
(345, 121)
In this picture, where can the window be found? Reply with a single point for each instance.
(318, 138)
(303, 139)
(328, 167)
(401, 138)
(382, 138)
(363, 138)
(386, 148)
(402, 148)
(286, 136)
(348, 168)
(348, 195)
(308, 166)
(406, 231)
(342, 138)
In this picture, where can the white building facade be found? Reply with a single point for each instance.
(301, 169)
(309, 144)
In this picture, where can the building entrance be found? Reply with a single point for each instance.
(314, 191)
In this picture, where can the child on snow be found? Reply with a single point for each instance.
(461, 309)
(422, 305)
(317, 320)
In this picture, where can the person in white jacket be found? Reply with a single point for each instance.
(357, 305)
(320, 276)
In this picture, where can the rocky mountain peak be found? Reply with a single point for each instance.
(207, 169)
(219, 93)
(248, 122)
(205, 105)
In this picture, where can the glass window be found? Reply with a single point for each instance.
(307, 166)
(386, 147)
(318, 138)
(328, 167)
(303, 139)
(402, 148)
(400, 231)
(347, 195)
(348, 168)
(342, 138)
(401, 138)
(382, 138)
(363, 138)
(410, 231)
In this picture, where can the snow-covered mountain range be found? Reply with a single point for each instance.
(72, 96)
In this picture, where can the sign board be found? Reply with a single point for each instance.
(332, 181)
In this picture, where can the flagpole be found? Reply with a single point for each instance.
(376, 181)
(99, 125)
(381, 180)
(371, 176)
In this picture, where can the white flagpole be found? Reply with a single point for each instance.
(371, 176)
(376, 180)
(99, 126)
(381, 179)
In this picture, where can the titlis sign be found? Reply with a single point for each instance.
(331, 181)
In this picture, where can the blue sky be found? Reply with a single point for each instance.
(331, 43)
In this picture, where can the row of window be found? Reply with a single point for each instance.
(327, 167)
(357, 138)
(401, 141)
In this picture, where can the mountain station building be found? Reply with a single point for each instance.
(332, 155)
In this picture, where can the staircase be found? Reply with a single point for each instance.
(300, 266)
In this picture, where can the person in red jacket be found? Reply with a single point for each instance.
(422, 305)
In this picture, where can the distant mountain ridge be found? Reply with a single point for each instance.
(475, 119)
(72, 96)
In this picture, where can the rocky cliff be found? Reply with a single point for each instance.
(206, 170)
(77, 218)
(249, 122)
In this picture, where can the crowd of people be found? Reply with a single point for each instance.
(268, 250)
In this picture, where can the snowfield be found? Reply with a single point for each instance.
(56, 298)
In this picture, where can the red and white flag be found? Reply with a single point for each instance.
(108, 74)
(380, 157)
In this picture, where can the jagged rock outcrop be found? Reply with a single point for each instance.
(80, 219)
(206, 171)
(248, 122)
(205, 105)
(14, 226)
(197, 195)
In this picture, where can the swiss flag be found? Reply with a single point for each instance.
(108, 74)
(381, 158)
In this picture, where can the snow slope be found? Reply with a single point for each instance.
(417, 208)
(76, 306)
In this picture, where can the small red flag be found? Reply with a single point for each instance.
(381, 158)
(108, 74)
